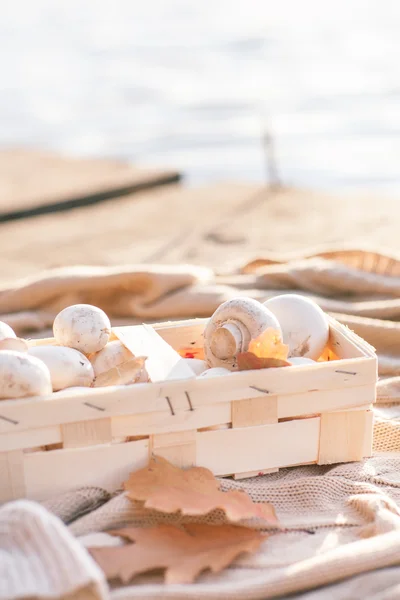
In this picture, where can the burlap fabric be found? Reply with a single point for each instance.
(341, 523)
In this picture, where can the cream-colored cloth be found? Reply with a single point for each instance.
(341, 523)
(340, 536)
(39, 558)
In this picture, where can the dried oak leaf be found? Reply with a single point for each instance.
(195, 491)
(183, 555)
(269, 345)
(247, 361)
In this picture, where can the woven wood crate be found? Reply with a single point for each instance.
(263, 420)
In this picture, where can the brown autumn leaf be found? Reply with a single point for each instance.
(183, 555)
(269, 345)
(195, 491)
(247, 361)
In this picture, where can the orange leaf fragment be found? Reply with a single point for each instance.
(191, 352)
(195, 491)
(247, 361)
(183, 555)
(269, 345)
(327, 355)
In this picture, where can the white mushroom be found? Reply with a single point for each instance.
(6, 331)
(299, 361)
(214, 372)
(14, 343)
(305, 326)
(197, 365)
(68, 367)
(22, 376)
(83, 327)
(231, 328)
(112, 355)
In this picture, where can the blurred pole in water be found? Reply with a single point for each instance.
(273, 179)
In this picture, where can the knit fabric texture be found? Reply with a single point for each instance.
(39, 558)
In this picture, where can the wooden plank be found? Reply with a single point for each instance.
(345, 436)
(165, 422)
(256, 448)
(342, 345)
(347, 344)
(322, 401)
(163, 362)
(183, 334)
(252, 474)
(255, 411)
(30, 438)
(86, 433)
(179, 448)
(369, 434)
(18, 415)
(56, 240)
(367, 407)
(34, 183)
(12, 476)
(177, 334)
(105, 466)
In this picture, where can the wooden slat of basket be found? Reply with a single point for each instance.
(177, 334)
(254, 411)
(31, 438)
(247, 449)
(179, 448)
(106, 466)
(163, 362)
(322, 401)
(86, 433)
(165, 422)
(17, 415)
(159, 422)
(12, 475)
(345, 436)
(347, 344)
(182, 334)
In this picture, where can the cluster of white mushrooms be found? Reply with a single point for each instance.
(83, 353)
(299, 322)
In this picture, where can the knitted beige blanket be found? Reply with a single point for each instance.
(341, 536)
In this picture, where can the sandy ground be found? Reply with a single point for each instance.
(218, 225)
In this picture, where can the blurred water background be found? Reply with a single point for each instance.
(192, 85)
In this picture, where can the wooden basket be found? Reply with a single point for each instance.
(262, 419)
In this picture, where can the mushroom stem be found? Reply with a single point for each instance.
(226, 341)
